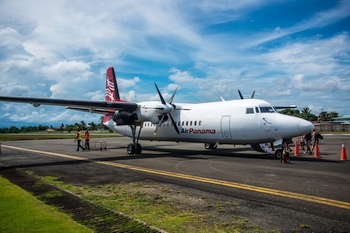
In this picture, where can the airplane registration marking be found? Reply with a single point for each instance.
(275, 192)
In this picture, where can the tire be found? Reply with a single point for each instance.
(138, 148)
(278, 154)
(209, 146)
(131, 149)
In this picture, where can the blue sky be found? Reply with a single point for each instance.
(290, 52)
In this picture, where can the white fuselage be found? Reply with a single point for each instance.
(247, 121)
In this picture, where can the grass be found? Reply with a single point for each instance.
(162, 207)
(21, 212)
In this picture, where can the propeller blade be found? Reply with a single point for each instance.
(159, 124)
(252, 97)
(240, 94)
(174, 124)
(160, 95)
(172, 97)
(165, 115)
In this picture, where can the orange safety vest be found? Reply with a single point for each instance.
(87, 136)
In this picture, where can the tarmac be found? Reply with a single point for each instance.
(308, 191)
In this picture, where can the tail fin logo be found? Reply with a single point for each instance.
(112, 93)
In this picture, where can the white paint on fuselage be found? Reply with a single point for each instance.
(225, 122)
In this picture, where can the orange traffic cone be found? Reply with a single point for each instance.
(296, 149)
(343, 156)
(317, 151)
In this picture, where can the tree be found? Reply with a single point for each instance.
(333, 114)
(83, 125)
(307, 115)
(325, 116)
(14, 129)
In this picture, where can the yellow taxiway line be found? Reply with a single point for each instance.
(275, 192)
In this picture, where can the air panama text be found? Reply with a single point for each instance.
(198, 131)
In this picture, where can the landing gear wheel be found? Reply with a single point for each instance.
(131, 149)
(210, 146)
(134, 148)
(278, 154)
(138, 148)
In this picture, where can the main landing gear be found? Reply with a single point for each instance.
(134, 147)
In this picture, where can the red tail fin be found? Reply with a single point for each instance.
(112, 93)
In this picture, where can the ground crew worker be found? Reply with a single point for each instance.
(78, 139)
(315, 138)
(308, 139)
(285, 154)
(87, 140)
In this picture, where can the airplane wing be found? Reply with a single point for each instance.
(284, 107)
(82, 105)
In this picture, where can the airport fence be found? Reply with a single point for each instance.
(331, 126)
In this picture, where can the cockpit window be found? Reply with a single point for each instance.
(267, 109)
(249, 111)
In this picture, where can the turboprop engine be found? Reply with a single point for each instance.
(123, 118)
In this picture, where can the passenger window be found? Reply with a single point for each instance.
(183, 123)
(200, 122)
(195, 123)
(186, 123)
(249, 111)
(190, 123)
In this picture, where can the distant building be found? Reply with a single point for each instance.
(343, 119)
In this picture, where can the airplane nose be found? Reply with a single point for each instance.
(305, 127)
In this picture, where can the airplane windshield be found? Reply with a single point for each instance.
(267, 109)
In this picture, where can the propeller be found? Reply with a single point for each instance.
(168, 108)
(240, 94)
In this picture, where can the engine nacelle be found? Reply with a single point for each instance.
(123, 118)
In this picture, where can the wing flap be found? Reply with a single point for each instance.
(97, 111)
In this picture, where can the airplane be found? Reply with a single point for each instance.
(251, 121)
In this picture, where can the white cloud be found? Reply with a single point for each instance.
(97, 95)
(126, 83)
(68, 77)
(13, 89)
(320, 84)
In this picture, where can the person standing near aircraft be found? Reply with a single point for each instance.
(87, 140)
(315, 138)
(285, 154)
(78, 139)
(307, 140)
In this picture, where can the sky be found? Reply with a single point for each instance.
(288, 51)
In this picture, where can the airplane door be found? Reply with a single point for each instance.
(225, 127)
